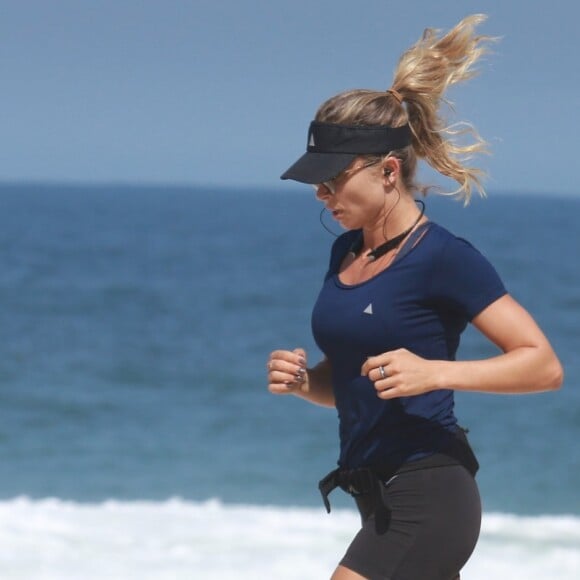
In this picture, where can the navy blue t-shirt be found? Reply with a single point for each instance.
(421, 302)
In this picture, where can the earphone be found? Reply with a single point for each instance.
(387, 172)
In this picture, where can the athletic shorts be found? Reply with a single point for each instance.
(421, 525)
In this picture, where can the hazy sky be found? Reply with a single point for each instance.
(222, 91)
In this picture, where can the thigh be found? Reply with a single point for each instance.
(342, 573)
(426, 526)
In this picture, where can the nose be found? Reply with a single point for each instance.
(322, 192)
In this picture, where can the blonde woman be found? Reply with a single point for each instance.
(397, 295)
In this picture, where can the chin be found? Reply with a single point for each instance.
(343, 221)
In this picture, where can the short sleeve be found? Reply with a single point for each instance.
(464, 279)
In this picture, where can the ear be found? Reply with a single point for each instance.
(391, 170)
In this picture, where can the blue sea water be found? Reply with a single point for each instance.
(135, 323)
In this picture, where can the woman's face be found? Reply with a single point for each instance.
(356, 197)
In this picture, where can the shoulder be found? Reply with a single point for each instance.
(441, 236)
(340, 248)
(461, 275)
(444, 245)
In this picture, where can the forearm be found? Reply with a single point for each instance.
(317, 387)
(525, 369)
(528, 363)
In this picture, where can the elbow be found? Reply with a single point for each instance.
(554, 375)
(549, 373)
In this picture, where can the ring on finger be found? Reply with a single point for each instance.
(382, 371)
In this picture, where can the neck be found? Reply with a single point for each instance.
(373, 247)
(393, 220)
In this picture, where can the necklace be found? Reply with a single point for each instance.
(389, 245)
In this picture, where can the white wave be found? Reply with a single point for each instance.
(58, 540)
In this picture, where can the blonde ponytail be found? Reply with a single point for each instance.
(422, 76)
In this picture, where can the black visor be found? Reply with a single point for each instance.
(332, 148)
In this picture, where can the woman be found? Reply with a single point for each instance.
(398, 293)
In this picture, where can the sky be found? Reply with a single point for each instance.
(221, 92)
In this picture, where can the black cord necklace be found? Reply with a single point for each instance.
(389, 245)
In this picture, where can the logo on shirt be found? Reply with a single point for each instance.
(369, 309)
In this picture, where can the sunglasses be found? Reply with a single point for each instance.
(330, 185)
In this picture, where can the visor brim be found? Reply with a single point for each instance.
(318, 167)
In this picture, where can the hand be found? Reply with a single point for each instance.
(405, 374)
(287, 371)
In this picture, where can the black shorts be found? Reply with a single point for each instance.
(421, 525)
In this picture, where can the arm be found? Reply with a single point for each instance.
(527, 363)
(287, 374)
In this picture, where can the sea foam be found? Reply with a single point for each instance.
(52, 539)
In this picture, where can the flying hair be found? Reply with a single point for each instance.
(422, 76)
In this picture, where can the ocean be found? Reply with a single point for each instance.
(137, 436)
